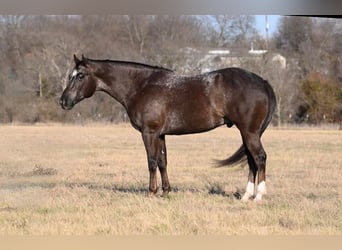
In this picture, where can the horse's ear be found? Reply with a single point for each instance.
(77, 61)
(84, 60)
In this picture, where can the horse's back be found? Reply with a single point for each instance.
(239, 77)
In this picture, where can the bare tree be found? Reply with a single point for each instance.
(223, 24)
(137, 28)
(233, 30)
(292, 32)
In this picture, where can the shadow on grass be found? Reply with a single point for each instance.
(131, 188)
(27, 184)
(216, 189)
(134, 189)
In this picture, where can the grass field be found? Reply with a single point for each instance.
(92, 180)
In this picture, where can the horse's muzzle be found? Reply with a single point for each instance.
(65, 103)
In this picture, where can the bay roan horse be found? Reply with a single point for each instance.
(159, 102)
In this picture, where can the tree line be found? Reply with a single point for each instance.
(37, 55)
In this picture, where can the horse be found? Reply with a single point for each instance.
(160, 102)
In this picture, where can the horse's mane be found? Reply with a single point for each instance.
(131, 64)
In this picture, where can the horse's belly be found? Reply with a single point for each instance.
(194, 122)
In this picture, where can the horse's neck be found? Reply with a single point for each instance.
(122, 82)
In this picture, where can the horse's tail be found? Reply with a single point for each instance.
(240, 155)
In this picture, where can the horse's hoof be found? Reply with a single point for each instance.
(165, 194)
(246, 197)
(257, 199)
(151, 194)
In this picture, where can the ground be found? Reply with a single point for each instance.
(92, 180)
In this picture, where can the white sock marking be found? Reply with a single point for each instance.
(262, 187)
(249, 191)
(261, 190)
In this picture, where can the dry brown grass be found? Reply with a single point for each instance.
(88, 180)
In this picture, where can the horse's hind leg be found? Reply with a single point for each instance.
(250, 188)
(162, 164)
(257, 165)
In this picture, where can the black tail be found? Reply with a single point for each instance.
(240, 155)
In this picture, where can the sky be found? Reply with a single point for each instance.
(260, 24)
(273, 24)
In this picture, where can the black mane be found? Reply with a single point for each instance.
(132, 64)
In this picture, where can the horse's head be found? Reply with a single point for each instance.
(81, 84)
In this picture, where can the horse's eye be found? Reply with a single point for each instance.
(80, 76)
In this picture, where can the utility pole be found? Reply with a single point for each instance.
(267, 27)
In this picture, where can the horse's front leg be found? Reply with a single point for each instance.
(162, 163)
(151, 142)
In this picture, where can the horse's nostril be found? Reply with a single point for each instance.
(61, 101)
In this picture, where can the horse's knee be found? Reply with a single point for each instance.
(162, 162)
(152, 165)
